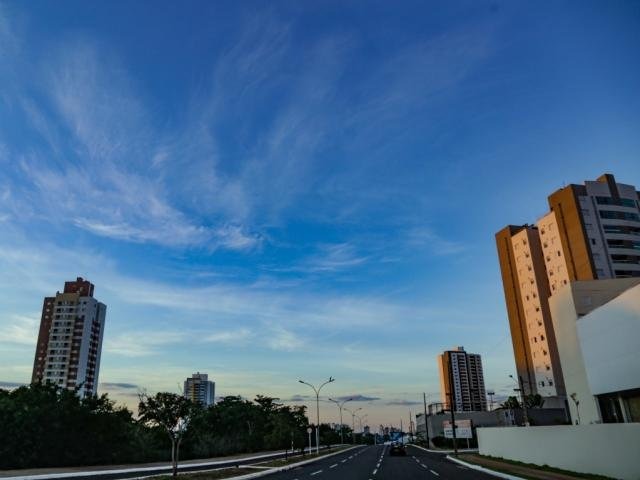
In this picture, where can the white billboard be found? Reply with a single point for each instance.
(463, 429)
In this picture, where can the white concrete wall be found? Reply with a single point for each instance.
(563, 314)
(611, 449)
(610, 339)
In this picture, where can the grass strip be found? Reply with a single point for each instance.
(281, 462)
(210, 475)
(494, 464)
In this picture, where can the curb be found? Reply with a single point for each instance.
(473, 466)
(262, 473)
(466, 450)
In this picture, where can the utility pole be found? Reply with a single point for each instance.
(451, 405)
(426, 418)
(524, 402)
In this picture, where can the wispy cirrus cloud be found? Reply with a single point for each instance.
(142, 343)
(20, 329)
(238, 336)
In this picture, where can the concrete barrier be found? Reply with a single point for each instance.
(611, 449)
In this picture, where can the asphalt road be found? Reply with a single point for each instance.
(374, 463)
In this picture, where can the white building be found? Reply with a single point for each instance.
(200, 389)
(597, 325)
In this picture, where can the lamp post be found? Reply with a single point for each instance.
(574, 397)
(353, 423)
(361, 429)
(426, 418)
(490, 394)
(317, 391)
(340, 406)
(524, 400)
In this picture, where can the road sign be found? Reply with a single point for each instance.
(309, 430)
(463, 429)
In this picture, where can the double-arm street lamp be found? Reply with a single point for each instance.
(361, 419)
(353, 422)
(317, 391)
(523, 397)
(341, 406)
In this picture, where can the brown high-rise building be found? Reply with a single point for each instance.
(70, 338)
(592, 231)
(462, 381)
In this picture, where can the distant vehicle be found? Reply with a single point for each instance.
(397, 449)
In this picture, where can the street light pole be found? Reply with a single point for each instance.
(353, 423)
(317, 390)
(340, 406)
(523, 399)
(426, 418)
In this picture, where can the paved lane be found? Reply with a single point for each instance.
(352, 464)
(374, 463)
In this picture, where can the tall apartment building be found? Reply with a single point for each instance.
(70, 338)
(200, 389)
(464, 371)
(592, 231)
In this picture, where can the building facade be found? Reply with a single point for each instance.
(70, 339)
(462, 381)
(198, 388)
(598, 333)
(591, 231)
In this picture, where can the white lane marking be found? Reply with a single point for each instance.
(344, 460)
(351, 456)
(378, 465)
(334, 465)
(375, 471)
(315, 473)
(435, 473)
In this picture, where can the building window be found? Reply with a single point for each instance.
(593, 241)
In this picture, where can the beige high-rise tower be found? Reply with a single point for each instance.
(592, 231)
(462, 378)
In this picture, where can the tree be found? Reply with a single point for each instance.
(510, 403)
(171, 412)
(534, 401)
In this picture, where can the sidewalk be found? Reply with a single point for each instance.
(522, 471)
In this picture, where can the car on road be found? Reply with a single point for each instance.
(397, 449)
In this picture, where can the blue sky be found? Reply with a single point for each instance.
(267, 192)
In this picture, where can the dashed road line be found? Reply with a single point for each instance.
(435, 473)
(334, 465)
(316, 473)
(375, 470)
